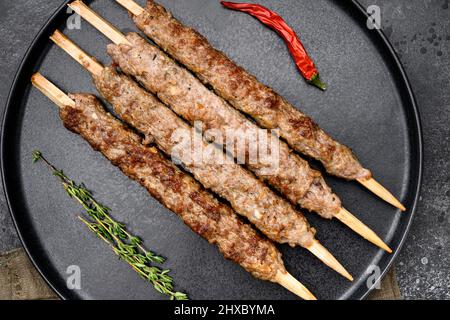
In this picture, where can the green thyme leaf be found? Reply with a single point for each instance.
(126, 246)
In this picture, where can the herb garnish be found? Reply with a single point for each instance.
(128, 247)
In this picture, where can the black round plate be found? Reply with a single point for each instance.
(369, 106)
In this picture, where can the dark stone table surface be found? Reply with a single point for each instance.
(420, 33)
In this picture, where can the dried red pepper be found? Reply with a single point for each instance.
(296, 48)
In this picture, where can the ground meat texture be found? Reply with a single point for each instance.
(176, 190)
(246, 93)
(248, 196)
(190, 99)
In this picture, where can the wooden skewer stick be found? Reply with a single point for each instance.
(289, 282)
(326, 257)
(98, 22)
(131, 6)
(318, 250)
(81, 57)
(88, 62)
(51, 91)
(360, 228)
(61, 99)
(382, 192)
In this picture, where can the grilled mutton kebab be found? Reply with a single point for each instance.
(251, 97)
(200, 210)
(248, 196)
(190, 99)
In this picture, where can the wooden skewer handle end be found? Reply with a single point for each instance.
(98, 22)
(51, 91)
(131, 6)
(76, 53)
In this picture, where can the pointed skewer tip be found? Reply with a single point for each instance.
(326, 257)
(382, 192)
(286, 280)
(360, 228)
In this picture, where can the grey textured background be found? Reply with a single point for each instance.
(420, 32)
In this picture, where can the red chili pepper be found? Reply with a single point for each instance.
(296, 48)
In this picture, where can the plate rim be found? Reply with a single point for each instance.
(417, 119)
(6, 112)
(379, 33)
(5, 117)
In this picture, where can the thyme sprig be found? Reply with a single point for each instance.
(128, 247)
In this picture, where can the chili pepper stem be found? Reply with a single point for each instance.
(315, 81)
